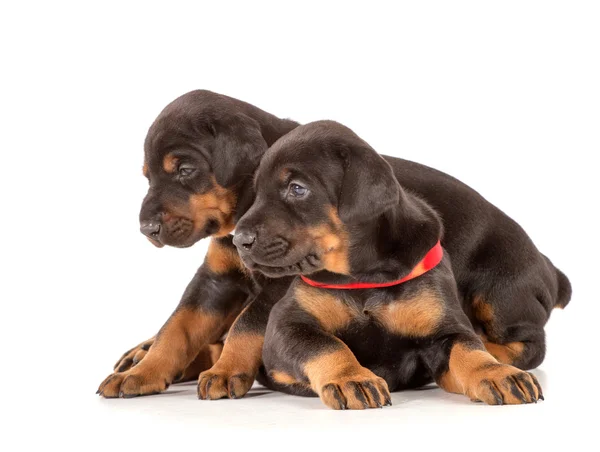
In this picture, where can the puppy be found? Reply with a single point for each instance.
(200, 155)
(381, 306)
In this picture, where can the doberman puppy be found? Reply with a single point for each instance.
(328, 207)
(200, 157)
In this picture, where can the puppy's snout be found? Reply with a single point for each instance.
(150, 228)
(244, 240)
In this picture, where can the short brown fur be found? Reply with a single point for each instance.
(185, 332)
(234, 372)
(218, 203)
(478, 375)
(283, 378)
(332, 240)
(505, 353)
(170, 163)
(415, 317)
(221, 259)
(330, 311)
(340, 372)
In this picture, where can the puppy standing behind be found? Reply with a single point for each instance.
(329, 207)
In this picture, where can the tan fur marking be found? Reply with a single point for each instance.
(340, 372)
(145, 169)
(185, 326)
(505, 353)
(332, 366)
(479, 376)
(205, 358)
(284, 174)
(483, 311)
(331, 312)
(235, 371)
(332, 240)
(462, 368)
(416, 317)
(174, 348)
(283, 378)
(219, 204)
(222, 259)
(242, 353)
(170, 163)
(215, 350)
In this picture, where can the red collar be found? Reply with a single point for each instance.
(431, 259)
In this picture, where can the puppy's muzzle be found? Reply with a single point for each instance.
(251, 246)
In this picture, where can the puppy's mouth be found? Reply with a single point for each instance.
(310, 263)
(155, 242)
(181, 233)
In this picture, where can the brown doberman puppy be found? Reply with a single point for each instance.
(380, 307)
(200, 155)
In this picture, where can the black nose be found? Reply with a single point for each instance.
(244, 240)
(150, 228)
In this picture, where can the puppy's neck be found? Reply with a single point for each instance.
(388, 247)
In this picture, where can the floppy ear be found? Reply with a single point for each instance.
(238, 148)
(369, 187)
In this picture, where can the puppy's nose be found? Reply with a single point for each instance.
(150, 228)
(244, 240)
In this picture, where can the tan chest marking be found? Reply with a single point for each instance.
(414, 317)
(330, 311)
(222, 259)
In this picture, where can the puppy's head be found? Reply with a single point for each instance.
(198, 153)
(312, 187)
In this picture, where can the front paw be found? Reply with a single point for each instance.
(132, 383)
(356, 392)
(501, 384)
(132, 357)
(218, 383)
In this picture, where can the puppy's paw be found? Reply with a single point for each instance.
(356, 392)
(132, 357)
(132, 383)
(501, 384)
(217, 383)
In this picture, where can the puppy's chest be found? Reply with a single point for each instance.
(414, 315)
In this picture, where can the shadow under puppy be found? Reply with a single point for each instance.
(327, 205)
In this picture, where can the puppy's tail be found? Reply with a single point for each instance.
(564, 290)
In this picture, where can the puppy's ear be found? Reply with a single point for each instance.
(238, 148)
(369, 187)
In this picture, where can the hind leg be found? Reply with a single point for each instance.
(513, 332)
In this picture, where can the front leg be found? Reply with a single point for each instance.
(209, 305)
(234, 373)
(464, 366)
(299, 351)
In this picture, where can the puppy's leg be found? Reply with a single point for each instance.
(206, 357)
(513, 332)
(460, 364)
(234, 373)
(299, 351)
(208, 307)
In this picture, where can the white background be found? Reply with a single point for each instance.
(503, 95)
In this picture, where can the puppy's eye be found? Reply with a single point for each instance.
(185, 170)
(297, 191)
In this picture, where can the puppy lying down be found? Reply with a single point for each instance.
(388, 298)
